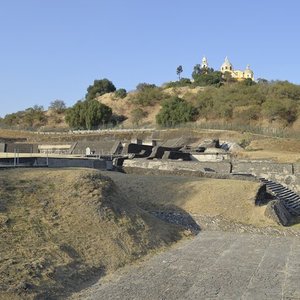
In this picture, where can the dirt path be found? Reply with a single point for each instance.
(214, 265)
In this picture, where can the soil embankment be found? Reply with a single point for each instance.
(62, 229)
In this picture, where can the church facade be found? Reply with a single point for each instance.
(228, 67)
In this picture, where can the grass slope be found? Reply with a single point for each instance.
(61, 229)
(232, 200)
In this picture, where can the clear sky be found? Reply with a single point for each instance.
(53, 49)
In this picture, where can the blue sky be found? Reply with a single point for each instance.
(53, 49)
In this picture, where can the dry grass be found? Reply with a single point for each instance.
(62, 228)
(232, 200)
(279, 150)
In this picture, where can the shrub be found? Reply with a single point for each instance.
(32, 117)
(148, 96)
(180, 83)
(137, 115)
(175, 111)
(284, 109)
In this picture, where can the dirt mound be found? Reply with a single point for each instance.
(61, 229)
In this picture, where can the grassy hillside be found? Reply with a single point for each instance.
(264, 104)
(60, 229)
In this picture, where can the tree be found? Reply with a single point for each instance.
(100, 87)
(88, 114)
(175, 111)
(96, 113)
(141, 87)
(206, 76)
(197, 71)
(179, 70)
(57, 106)
(262, 81)
(75, 116)
(248, 82)
(209, 78)
(121, 93)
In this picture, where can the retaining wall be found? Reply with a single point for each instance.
(217, 167)
(57, 162)
(286, 174)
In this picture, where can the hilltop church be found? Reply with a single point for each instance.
(228, 67)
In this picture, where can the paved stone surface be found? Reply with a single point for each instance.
(214, 265)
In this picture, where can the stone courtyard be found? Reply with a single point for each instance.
(214, 265)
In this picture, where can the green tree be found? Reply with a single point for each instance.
(88, 114)
(121, 93)
(143, 86)
(75, 116)
(100, 87)
(175, 111)
(179, 70)
(179, 83)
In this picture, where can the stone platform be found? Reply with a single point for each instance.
(214, 265)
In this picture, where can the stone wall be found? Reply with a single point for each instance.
(262, 168)
(286, 174)
(215, 167)
(2, 147)
(56, 162)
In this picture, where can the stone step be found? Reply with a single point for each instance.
(275, 185)
(293, 198)
(293, 202)
(294, 205)
(287, 194)
(292, 210)
(279, 191)
(290, 199)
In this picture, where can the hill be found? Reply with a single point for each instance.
(260, 105)
(275, 104)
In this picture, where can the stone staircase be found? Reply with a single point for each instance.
(288, 198)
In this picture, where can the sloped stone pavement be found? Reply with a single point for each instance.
(214, 265)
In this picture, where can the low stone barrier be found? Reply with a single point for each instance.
(206, 167)
(51, 162)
